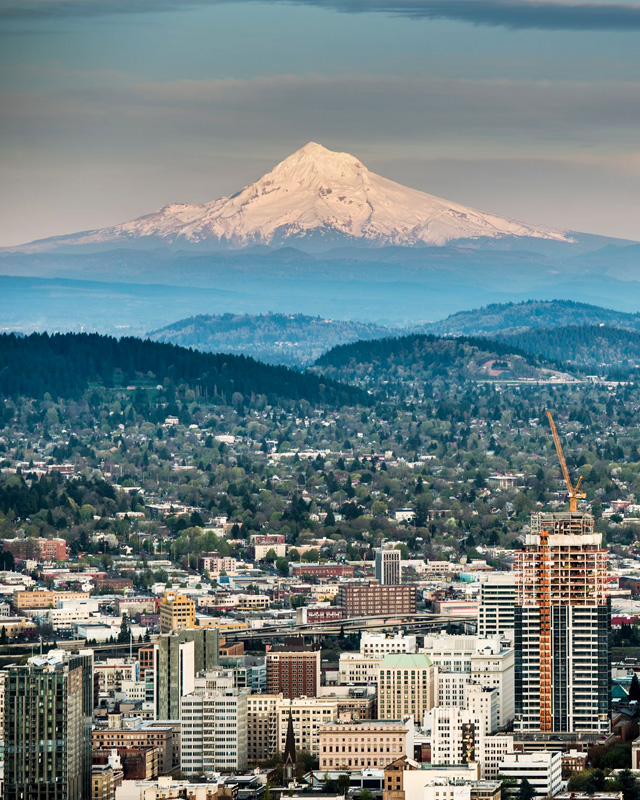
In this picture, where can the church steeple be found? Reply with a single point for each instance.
(290, 751)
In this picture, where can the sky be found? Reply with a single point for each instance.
(110, 109)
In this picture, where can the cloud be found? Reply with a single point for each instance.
(341, 110)
(585, 15)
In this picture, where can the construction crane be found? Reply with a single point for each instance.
(572, 491)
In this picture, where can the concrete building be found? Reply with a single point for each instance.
(177, 612)
(50, 701)
(388, 570)
(214, 725)
(562, 619)
(363, 667)
(463, 736)
(293, 669)
(543, 770)
(178, 657)
(42, 598)
(347, 746)
(406, 686)
(371, 599)
(109, 674)
(307, 715)
(496, 613)
(406, 779)
(359, 669)
(379, 644)
(262, 726)
(485, 661)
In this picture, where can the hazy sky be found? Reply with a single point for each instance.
(111, 108)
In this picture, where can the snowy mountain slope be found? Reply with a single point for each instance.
(313, 195)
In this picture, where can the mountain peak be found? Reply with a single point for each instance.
(313, 164)
(320, 196)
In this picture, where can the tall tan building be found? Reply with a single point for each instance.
(177, 612)
(406, 686)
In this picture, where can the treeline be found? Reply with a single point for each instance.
(421, 358)
(589, 346)
(64, 365)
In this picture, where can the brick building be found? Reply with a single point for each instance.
(293, 669)
(314, 570)
(38, 549)
(371, 599)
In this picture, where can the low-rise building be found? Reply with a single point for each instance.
(542, 770)
(369, 743)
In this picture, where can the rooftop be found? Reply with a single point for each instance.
(405, 661)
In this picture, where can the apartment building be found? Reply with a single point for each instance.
(262, 726)
(307, 715)
(293, 669)
(214, 728)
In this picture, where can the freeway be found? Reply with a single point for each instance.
(414, 623)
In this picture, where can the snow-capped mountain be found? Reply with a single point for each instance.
(313, 195)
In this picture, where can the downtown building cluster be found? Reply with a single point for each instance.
(519, 692)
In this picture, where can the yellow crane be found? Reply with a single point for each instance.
(572, 491)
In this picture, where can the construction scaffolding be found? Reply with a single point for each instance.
(561, 567)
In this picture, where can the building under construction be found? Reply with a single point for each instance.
(562, 620)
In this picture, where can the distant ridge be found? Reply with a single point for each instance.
(292, 339)
(512, 318)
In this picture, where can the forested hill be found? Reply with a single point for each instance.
(422, 358)
(504, 318)
(64, 365)
(586, 346)
(292, 339)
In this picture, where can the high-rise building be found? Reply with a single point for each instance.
(178, 658)
(388, 568)
(406, 686)
(293, 670)
(214, 725)
(562, 618)
(177, 612)
(47, 729)
(497, 605)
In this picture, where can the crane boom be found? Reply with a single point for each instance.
(572, 491)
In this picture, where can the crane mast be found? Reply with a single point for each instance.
(572, 491)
